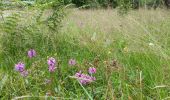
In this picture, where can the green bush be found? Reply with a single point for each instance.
(115, 3)
(95, 3)
(110, 3)
(67, 2)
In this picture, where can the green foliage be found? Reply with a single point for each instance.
(95, 3)
(128, 67)
(10, 38)
(108, 3)
(122, 4)
(67, 2)
(36, 32)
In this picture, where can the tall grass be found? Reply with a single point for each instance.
(130, 53)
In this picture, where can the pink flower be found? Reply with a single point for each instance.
(78, 74)
(51, 68)
(51, 61)
(20, 67)
(92, 70)
(24, 73)
(51, 64)
(72, 62)
(84, 78)
(31, 53)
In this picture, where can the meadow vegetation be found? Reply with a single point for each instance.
(130, 54)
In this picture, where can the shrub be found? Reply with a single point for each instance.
(115, 3)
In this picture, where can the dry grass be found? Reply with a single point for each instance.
(108, 20)
(139, 27)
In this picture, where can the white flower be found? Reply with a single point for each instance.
(151, 44)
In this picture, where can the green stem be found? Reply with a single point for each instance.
(86, 92)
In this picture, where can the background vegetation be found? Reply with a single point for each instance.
(130, 53)
(114, 3)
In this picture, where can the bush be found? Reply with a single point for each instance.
(95, 3)
(115, 3)
(67, 2)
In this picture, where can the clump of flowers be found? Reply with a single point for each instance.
(20, 67)
(84, 78)
(92, 70)
(51, 64)
(31, 53)
(72, 62)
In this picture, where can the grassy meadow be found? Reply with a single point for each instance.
(131, 54)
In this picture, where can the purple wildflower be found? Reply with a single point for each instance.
(20, 67)
(92, 70)
(84, 78)
(51, 64)
(51, 68)
(51, 61)
(78, 74)
(31, 53)
(72, 62)
(24, 73)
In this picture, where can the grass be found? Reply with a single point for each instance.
(128, 67)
